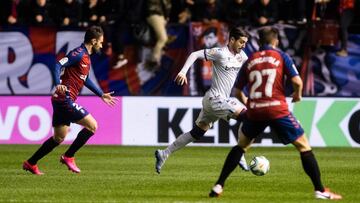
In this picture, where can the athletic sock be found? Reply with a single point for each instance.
(45, 148)
(231, 162)
(83, 136)
(179, 143)
(311, 168)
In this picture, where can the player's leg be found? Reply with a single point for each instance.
(239, 115)
(90, 126)
(290, 131)
(231, 108)
(60, 132)
(213, 109)
(195, 134)
(203, 123)
(231, 162)
(247, 133)
(309, 162)
(311, 168)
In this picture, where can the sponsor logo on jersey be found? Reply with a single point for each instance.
(232, 68)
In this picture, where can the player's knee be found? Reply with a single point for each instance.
(303, 148)
(93, 128)
(301, 144)
(59, 139)
(197, 132)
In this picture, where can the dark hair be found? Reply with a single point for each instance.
(237, 32)
(210, 30)
(94, 32)
(267, 35)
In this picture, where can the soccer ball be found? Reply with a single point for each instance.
(259, 165)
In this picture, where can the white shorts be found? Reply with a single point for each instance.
(216, 107)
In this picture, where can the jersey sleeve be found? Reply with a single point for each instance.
(212, 54)
(89, 84)
(56, 73)
(72, 58)
(290, 68)
(191, 59)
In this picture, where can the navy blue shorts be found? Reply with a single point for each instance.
(287, 128)
(66, 112)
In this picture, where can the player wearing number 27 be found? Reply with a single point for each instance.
(264, 74)
(76, 67)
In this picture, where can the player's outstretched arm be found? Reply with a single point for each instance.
(106, 97)
(181, 76)
(91, 86)
(109, 99)
(298, 86)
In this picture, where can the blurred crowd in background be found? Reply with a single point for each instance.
(116, 15)
(83, 13)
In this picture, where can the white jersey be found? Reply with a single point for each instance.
(225, 69)
(216, 102)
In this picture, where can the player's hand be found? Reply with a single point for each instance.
(109, 99)
(181, 79)
(61, 88)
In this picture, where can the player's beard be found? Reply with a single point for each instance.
(96, 50)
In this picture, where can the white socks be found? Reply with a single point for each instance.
(179, 143)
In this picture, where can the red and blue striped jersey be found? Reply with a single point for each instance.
(75, 69)
(264, 76)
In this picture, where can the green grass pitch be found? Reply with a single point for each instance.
(126, 174)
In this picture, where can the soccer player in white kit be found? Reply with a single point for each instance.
(216, 103)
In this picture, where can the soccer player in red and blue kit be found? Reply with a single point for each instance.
(264, 74)
(76, 67)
